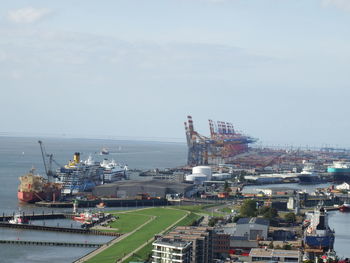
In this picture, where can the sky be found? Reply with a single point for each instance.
(277, 69)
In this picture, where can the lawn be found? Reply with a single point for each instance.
(164, 217)
(144, 253)
(127, 222)
(200, 209)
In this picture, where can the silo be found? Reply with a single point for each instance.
(206, 170)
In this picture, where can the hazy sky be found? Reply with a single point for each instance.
(276, 69)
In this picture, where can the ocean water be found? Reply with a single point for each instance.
(19, 155)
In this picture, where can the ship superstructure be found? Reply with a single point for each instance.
(112, 171)
(79, 176)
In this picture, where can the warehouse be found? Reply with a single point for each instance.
(154, 188)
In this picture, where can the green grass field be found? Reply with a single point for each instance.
(144, 253)
(127, 222)
(164, 217)
(199, 209)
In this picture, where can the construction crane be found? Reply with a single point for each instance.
(48, 166)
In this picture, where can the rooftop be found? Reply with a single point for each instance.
(253, 220)
(172, 242)
(262, 252)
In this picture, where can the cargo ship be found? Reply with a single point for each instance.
(318, 234)
(33, 188)
(309, 174)
(340, 171)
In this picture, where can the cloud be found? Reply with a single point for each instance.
(341, 4)
(28, 15)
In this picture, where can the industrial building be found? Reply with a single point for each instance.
(252, 228)
(274, 255)
(133, 188)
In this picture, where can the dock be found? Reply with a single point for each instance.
(37, 216)
(109, 202)
(59, 229)
(50, 243)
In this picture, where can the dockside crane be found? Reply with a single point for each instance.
(48, 166)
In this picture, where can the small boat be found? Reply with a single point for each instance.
(18, 219)
(101, 205)
(88, 217)
(104, 151)
(344, 208)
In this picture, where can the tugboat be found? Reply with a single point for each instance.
(318, 234)
(18, 219)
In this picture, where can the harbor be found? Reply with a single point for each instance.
(187, 193)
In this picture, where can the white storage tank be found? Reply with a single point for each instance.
(206, 170)
(196, 178)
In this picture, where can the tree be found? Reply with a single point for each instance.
(287, 247)
(248, 208)
(227, 188)
(268, 212)
(290, 217)
(271, 245)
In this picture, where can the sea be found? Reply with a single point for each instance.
(19, 154)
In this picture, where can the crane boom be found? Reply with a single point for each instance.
(43, 155)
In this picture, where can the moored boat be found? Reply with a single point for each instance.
(340, 170)
(309, 174)
(318, 234)
(101, 205)
(18, 219)
(35, 188)
(344, 207)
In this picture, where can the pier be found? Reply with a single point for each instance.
(38, 216)
(50, 243)
(109, 202)
(59, 229)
